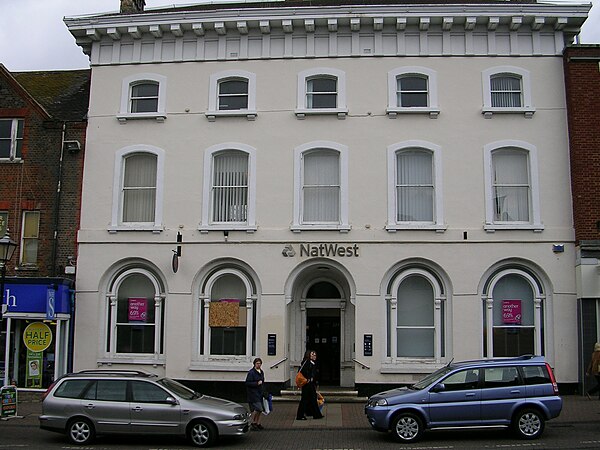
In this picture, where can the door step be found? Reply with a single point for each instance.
(331, 395)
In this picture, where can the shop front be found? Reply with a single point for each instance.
(36, 340)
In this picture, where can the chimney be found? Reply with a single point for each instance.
(132, 6)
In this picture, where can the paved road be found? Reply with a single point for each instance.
(344, 428)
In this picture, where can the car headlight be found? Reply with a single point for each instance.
(239, 417)
(381, 402)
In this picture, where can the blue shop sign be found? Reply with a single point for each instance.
(43, 298)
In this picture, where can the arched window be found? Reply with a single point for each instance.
(143, 96)
(229, 188)
(412, 90)
(506, 90)
(512, 187)
(232, 93)
(321, 187)
(227, 315)
(414, 186)
(321, 90)
(513, 314)
(415, 316)
(135, 315)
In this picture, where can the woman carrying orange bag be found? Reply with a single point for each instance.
(308, 401)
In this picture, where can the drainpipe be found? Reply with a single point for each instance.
(58, 199)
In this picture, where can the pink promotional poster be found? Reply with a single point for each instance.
(511, 312)
(137, 309)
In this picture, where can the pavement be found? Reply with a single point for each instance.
(576, 409)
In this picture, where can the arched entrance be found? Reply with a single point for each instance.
(321, 317)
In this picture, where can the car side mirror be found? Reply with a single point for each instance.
(440, 387)
(171, 401)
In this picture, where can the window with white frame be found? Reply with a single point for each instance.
(415, 316)
(227, 315)
(138, 188)
(512, 192)
(513, 314)
(11, 139)
(232, 93)
(412, 90)
(507, 89)
(414, 186)
(143, 96)
(321, 91)
(135, 315)
(321, 187)
(229, 188)
(30, 235)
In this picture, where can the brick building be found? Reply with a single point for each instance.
(43, 119)
(582, 77)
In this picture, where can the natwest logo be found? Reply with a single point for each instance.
(323, 250)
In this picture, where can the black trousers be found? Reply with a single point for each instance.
(596, 388)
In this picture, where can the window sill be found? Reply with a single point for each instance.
(231, 364)
(150, 360)
(153, 228)
(11, 161)
(342, 228)
(227, 227)
(401, 365)
(438, 228)
(393, 112)
(27, 268)
(488, 112)
(159, 117)
(340, 112)
(492, 227)
(248, 114)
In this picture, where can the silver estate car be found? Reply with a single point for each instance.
(95, 402)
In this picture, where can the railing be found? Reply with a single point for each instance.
(363, 365)
(278, 362)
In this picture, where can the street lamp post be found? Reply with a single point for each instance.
(7, 248)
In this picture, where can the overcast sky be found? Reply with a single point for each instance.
(34, 37)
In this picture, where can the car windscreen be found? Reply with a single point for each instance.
(178, 388)
(429, 379)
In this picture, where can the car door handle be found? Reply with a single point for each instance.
(137, 409)
(515, 391)
(90, 406)
(470, 394)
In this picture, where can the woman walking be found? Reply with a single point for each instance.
(308, 401)
(255, 380)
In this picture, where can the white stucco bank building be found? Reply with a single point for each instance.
(387, 183)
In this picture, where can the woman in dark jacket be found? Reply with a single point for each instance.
(255, 380)
(308, 401)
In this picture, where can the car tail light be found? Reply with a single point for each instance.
(552, 379)
(45, 394)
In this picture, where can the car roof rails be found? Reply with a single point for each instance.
(115, 372)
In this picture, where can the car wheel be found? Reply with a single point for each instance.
(528, 424)
(407, 427)
(80, 431)
(202, 433)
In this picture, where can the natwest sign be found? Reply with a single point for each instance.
(330, 250)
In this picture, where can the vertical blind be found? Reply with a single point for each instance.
(230, 187)
(416, 330)
(511, 185)
(414, 186)
(321, 187)
(506, 91)
(139, 188)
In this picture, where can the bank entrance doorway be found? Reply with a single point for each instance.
(323, 336)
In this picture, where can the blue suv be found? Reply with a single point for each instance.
(519, 393)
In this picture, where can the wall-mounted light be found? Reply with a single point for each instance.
(226, 235)
(72, 146)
